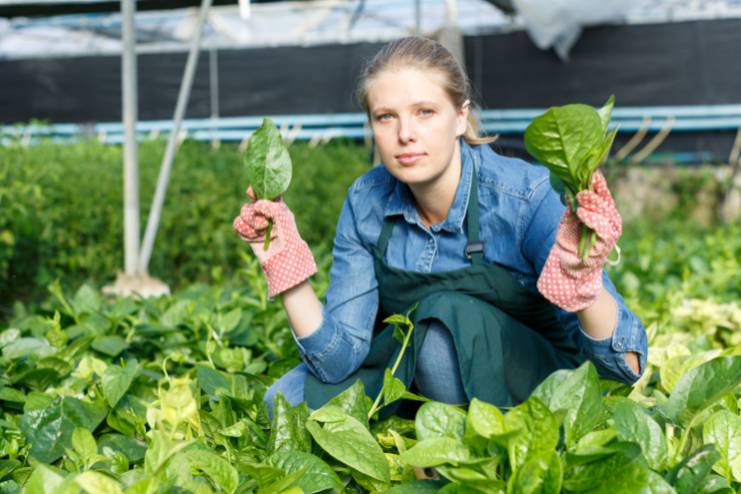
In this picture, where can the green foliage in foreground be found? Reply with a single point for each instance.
(61, 210)
(165, 395)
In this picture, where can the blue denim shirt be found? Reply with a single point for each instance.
(519, 216)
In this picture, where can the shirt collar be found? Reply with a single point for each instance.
(401, 201)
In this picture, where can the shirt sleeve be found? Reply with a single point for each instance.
(342, 341)
(540, 225)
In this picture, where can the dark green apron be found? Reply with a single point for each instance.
(507, 338)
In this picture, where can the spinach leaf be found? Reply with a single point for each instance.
(288, 432)
(435, 419)
(318, 475)
(116, 380)
(349, 441)
(723, 429)
(577, 393)
(702, 386)
(49, 430)
(634, 424)
(268, 162)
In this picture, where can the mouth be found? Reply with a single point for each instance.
(409, 158)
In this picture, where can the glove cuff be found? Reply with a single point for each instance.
(289, 267)
(570, 293)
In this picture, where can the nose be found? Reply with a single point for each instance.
(407, 130)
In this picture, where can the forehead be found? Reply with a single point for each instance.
(400, 87)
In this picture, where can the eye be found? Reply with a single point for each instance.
(426, 112)
(382, 117)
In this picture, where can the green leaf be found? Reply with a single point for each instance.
(116, 380)
(416, 487)
(110, 345)
(714, 484)
(231, 319)
(86, 300)
(353, 401)
(348, 441)
(540, 474)
(435, 451)
(531, 431)
(318, 476)
(435, 419)
(83, 443)
(702, 386)
(268, 162)
(216, 383)
(723, 429)
(288, 432)
(484, 419)
(393, 388)
(10, 487)
(49, 430)
(43, 480)
(634, 424)
(690, 474)
(606, 112)
(621, 471)
(216, 468)
(7, 466)
(596, 438)
(97, 483)
(563, 139)
(577, 393)
(161, 449)
(25, 347)
(132, 448)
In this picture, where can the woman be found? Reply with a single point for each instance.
(479, 243)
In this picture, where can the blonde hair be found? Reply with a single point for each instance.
(424, 54)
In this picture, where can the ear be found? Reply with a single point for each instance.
(462, 118)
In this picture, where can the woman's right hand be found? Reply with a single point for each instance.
(288, 260)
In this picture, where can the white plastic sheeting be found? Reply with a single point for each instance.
(550, 23)
(269, 24)
(557, 24)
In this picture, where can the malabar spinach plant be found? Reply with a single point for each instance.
(269, 166)
(572, 141)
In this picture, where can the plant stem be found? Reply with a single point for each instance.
(377, 403)
(268, 231)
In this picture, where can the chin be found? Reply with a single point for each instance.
(412, 175)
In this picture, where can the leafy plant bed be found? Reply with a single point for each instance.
(165, 395)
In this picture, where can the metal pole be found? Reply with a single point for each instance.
(213, 68)
(131, 165)
(164, 176)
(451, 36)
(417, 17)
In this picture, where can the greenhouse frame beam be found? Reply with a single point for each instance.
(130, 151)
(164, 176)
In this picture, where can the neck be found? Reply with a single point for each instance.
(434, 198)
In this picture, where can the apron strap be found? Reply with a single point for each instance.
(474, 248)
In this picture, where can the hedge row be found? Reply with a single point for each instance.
(61, 210)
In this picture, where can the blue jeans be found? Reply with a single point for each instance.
(437, 376)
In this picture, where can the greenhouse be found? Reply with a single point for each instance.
(370, 246)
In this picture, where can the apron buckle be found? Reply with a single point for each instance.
(474, 248)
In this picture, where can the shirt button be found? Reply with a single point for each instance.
(619, 345)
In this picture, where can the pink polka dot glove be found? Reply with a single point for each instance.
(288, 260)
(567, 280)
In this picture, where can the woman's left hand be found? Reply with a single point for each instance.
(566, 280)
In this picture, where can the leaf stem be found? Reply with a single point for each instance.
(407, 337)
(268, 231)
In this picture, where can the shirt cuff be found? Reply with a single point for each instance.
(317, 349)
(628, 336)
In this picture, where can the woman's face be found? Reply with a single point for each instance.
(415, 124)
